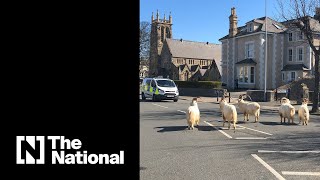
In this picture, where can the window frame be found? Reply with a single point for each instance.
(247, 49)
(290, 33)
(290, 48)
(292, 72)
(242, 75)
(300, 34)
(298, 54)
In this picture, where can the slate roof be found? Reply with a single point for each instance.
(273, 26)
(192, 49)
(202, 71)
(194, 68)
(314, 24)
(291, 67)
(247, 61)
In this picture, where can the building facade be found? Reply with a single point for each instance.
(245, 57)
(181, 59)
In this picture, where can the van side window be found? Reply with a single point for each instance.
(153, 84)
(148, 82)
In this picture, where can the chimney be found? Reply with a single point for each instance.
(233, 23)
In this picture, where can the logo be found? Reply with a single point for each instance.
(31, 150)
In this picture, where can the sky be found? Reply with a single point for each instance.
(205, 20)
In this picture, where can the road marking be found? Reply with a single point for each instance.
(255, 130)
(225, 128)
(181, 111)
(218, 129)
(251, 138)
(298, 152)
(274, 172)
(301, 173)
(159, 105)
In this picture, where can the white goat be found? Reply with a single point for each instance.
(249, 108)
(193, 114)
(229, 113)
(303, 112)
(285, 100)
(286, 110)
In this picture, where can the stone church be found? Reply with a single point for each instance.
(181, 59)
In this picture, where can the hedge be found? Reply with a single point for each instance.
(198, 84)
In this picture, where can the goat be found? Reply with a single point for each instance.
(286, 110)
(229, 112)
(193, 114)
(303, 112)
(249, 108)
(284, 100)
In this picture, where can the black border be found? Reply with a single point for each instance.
(73, 71)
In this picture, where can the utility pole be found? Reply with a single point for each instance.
(266, 55)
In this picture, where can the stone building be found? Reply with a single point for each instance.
(181, 59)
(289, 56)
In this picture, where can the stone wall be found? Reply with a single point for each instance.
(296, 91)
(201, 92)
(258, 95)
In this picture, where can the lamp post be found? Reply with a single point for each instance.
(266, 54)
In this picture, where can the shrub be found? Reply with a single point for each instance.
(198, 84)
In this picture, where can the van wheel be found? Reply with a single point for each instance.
(153, 98)
(143, 96)
(175, 100)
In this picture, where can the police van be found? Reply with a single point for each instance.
(159, 89)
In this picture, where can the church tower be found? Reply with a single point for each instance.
(160, 30)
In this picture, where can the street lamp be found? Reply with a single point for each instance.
(266, 54)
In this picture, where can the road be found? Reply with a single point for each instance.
(263, 150)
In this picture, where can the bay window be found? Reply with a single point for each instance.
(246, 74)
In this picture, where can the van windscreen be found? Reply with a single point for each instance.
(165, 83)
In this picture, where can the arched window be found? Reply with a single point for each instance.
(162, 34)
(168, 32)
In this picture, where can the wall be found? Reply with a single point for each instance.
(201, 92)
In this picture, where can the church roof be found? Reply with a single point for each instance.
(195, 50)
(194, 68)
(202, 71)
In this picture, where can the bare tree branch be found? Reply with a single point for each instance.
(299, 14)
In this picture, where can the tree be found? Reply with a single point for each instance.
(302, 15)
(145, 29)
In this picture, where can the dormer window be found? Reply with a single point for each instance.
(250, 27)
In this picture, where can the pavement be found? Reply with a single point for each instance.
(270, 106)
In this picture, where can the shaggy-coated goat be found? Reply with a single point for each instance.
(286, 110)
(249, 108)
(193, 114)
(229, 112)
(303, 112)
